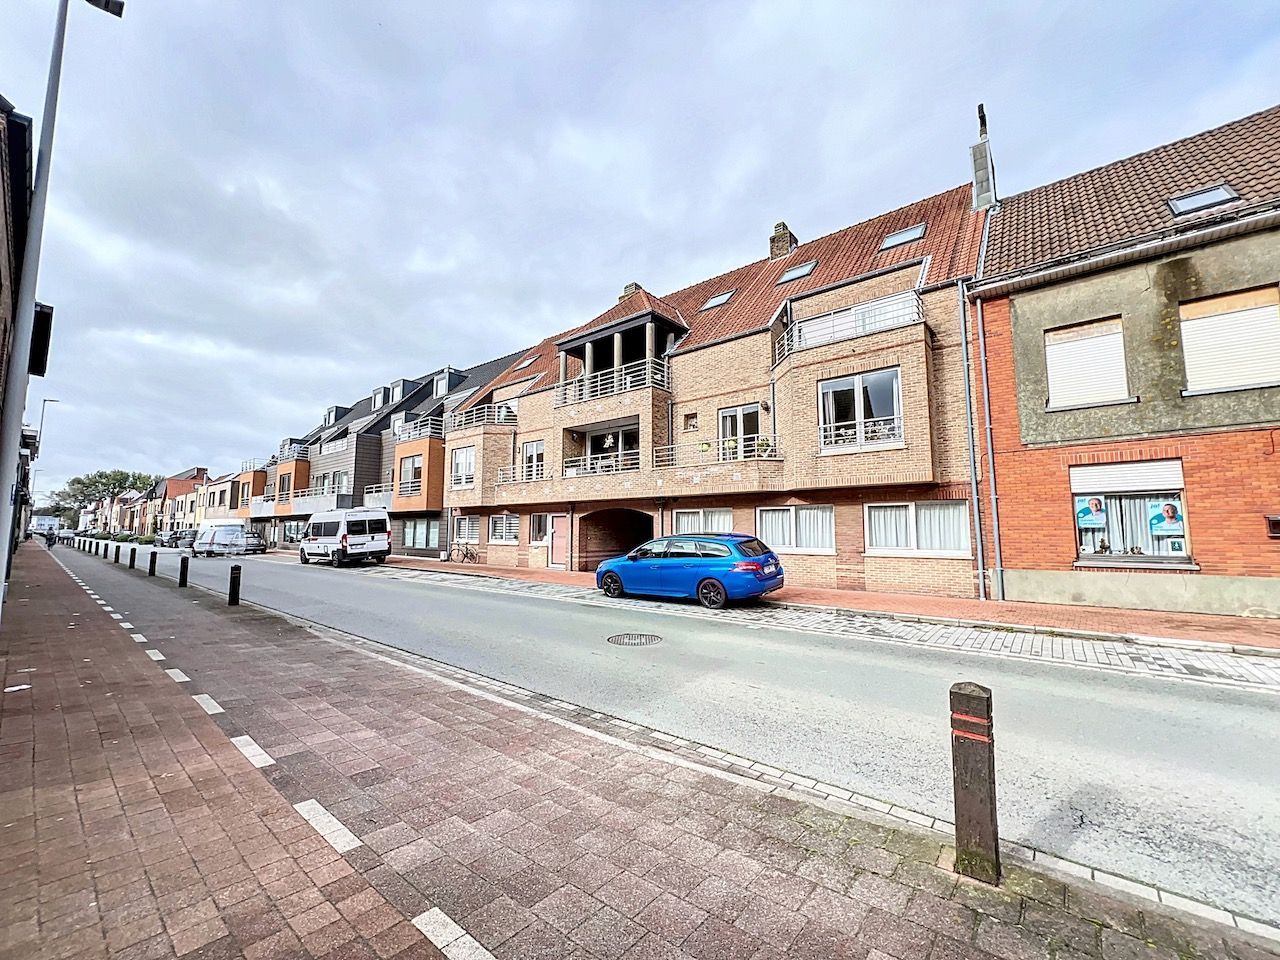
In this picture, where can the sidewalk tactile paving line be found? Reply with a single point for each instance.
(1130, 658)
(527, 828)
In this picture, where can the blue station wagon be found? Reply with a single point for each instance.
(712, 567)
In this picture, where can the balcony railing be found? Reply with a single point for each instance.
(500, 413)
(335, 446)
(263, 506)
(284, 496)
(379, 494)
(895, 310)
(459, 480)
(757, 446)
(629, 376)
(859, 433)
(294, 451)
(425, 428)
(522, 472)
(321, 490)
(410, 488)
(248, 466)
(244, 502)
(602, 463)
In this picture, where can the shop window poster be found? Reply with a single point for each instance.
(1091, 513)
(1165, 518)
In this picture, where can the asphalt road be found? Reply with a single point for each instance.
(1166, 781)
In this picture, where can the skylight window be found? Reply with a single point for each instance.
(526, 361)
(903, 236)
(795, 273)
(1202, 199)
(718, 299)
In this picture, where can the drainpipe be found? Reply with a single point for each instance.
(997, 581)
(975, 496)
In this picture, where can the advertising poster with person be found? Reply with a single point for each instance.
(1091, 514)
(1165, 517)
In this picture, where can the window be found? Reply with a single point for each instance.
(341, 482)
(709, 548)
(1131, 509)
(440, 386)
(464, 467)
(397, 391)
(357, 528)
(714, 520)
(222, 498)
(377, 525)
(286, 483)
(326, 529)
(410, 476)
(532, 464)
(1202, 199)
(903, 236)
(504, 528)
(932, 527)
(1086, 364)
(718, 299)
(466, 529)
(526, 361)
(739, 432)
(1232, 342)
(681, 549)
(797, 529)
(862, 410)
(539, 527)
(690, 422)
(422, 534)
(795, 273)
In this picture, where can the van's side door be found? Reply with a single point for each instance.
(308, 539)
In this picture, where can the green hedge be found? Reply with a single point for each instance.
(147, 540)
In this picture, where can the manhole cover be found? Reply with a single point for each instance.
(635, 639)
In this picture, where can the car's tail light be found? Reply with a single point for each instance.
(344, 541)
(747, 566)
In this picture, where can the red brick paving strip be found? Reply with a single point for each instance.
(542, 841)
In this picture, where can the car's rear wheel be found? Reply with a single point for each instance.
(302, 557)
(612, 585)
(711, 594)
(336, 558)
(380, 558)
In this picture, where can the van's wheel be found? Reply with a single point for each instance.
(612, 585)
(380, 558)
(711, 594)
(302, 557)
(336, 558)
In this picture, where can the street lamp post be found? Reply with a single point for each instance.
(15, 391)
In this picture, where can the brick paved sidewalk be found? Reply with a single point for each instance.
(1243, 631)
(503, 832)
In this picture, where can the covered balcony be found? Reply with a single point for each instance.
(604, 383)
(623, 350)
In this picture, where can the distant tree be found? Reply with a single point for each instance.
(100, 485)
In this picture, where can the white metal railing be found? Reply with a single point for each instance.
(602, 463)
(335, 446)
(244, 502)
(410, 488)
(248, 466)
(858, 320)
(458, 480)
(322, 490)
(501, 413)
(630, 376)
(424, 428)
(756, 446)
(374, 489)
(284, 496)
(265, 498)
(522, 472)
(294, 451)
(858, 433)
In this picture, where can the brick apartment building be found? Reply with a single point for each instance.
(815, 397)
(1131, 322)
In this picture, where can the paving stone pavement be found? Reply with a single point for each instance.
(400, 804)
(1254, 672)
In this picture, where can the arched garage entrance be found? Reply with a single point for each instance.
(609, 533)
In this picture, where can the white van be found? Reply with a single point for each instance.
(341, 535)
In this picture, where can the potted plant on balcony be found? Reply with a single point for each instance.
(762, 447)
(705, 446)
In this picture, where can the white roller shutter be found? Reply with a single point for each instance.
(1137, 477)
(1236, 349)
(1086, 364)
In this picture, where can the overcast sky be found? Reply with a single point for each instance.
(263, 207)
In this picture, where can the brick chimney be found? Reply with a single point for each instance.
(782, 242)
(628, 290)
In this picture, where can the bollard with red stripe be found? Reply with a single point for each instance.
(973, 760)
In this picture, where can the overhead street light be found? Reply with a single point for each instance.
(15, 389)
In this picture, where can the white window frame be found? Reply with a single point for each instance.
(701, 514)
(860, 415)
(507, 527)
(471, 521)
(907, 235)
(461, 481)
(913, 550)
(801, 551)
(1253, 317)
(546, 536)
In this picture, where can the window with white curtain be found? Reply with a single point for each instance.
(932, 527)
(1232, 342)
(466, 529)
(504, 528)
(1086, 364)
(861, 410)
(710, 520)
(798, 529)
(1139, 526)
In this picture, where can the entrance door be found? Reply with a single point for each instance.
(739, 431)
(559, 555)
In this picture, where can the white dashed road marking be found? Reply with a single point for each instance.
(254, 753)
(328, 826)
(154, 654)
(210, 705)
(178, 676)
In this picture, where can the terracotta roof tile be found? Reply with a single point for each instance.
(1129, 199)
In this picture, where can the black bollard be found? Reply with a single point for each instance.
(95, 548)
(117, 556)
(973, 760)
(182, 570)
(133, 557)
(233, 587)
(151, 565)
